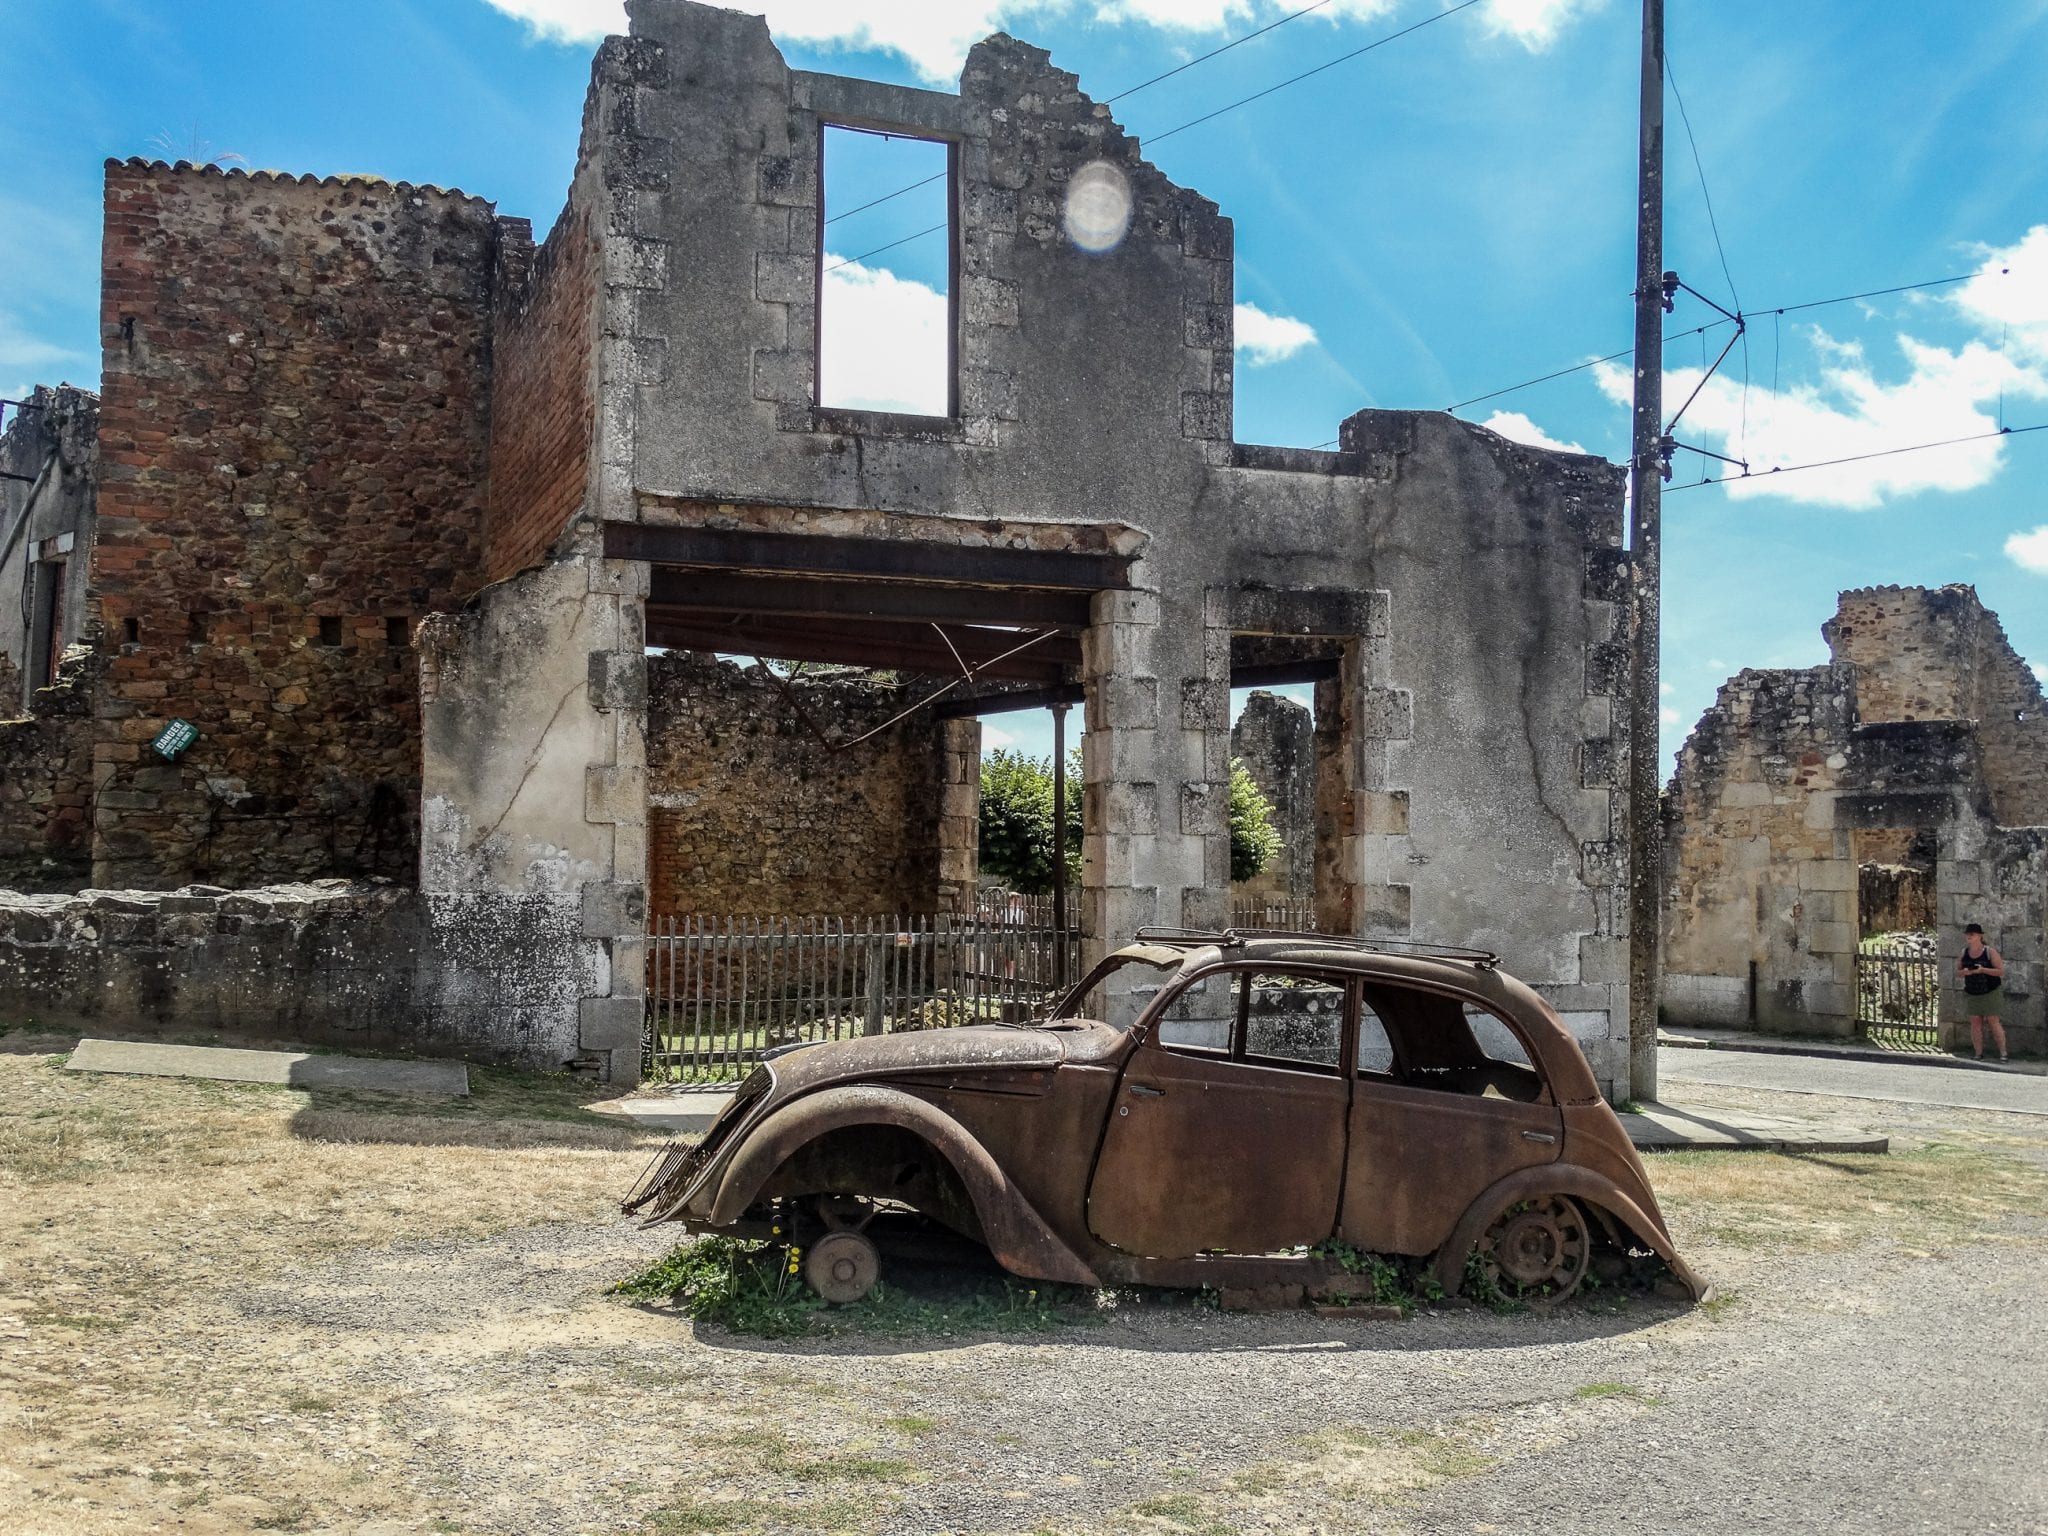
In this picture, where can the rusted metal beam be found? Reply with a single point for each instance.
(673, 587)
(1262, 675)
(851, 642)
(807, 554)
(1281, 674)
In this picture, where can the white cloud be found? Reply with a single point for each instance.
(934, 35)
(1668, 715)
(882, 342)
(994, 738)
(27, 360)
(1264, 338)
(1535, 24)
(2029, 551)
(2008, 298)
(1516, 427)
(1849, 412)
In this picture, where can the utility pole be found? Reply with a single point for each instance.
(1645, 831)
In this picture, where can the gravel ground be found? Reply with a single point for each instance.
(1882, 1376)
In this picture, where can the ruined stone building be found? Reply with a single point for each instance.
(1902, 785)
(434, 534)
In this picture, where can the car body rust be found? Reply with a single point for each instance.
(1271, 1095)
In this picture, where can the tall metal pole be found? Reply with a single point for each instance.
(1645, 833)
(1059, 841)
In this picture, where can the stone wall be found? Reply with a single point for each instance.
(1275, 739)
(1937, 653)
(1813, 807)
(49, 455)
(293, 435)
(326, 962)
(46, 786)
(750, 811)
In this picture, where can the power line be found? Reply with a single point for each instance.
(1705, 196)
(1196, 122)
(1855, 458)
(1203, 58)
(1200, 58)
(1782, 309)
(1342, 58)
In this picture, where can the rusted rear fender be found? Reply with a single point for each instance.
(1017, 1235)
(1559, 1179)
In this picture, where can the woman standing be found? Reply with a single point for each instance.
(1983, 971)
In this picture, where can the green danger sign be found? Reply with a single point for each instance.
(175, 738)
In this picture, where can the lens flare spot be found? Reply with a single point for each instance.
(1098, 206)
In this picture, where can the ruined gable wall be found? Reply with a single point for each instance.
(544, 381)
(750, 813)
(293, 430)
(1275, 739)
(1756, 872)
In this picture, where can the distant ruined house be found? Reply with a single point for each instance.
(430, 536)
(1903, 784)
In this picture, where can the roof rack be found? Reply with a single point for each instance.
(1234, 938)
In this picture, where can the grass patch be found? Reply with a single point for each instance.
(1595, 1390)
(755, 1288)
(910, 1424)
(751, 1517)
(1937, 1193)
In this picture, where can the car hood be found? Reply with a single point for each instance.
(970, 1047)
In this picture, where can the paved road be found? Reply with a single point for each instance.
(1903, 1083)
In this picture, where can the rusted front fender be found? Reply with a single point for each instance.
(1559, 1179)
(1017, 1235)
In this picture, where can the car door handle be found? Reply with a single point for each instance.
(1543, 1136)
(1148, 1091)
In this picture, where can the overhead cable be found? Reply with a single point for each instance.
(1855, 458)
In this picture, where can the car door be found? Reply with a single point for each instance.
(1227, 1131)
(1430, 1125)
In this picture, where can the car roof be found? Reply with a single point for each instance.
(1474, 972)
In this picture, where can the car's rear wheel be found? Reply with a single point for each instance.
(842, 1266)
(1538, 1250)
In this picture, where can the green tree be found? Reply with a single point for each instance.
(1254, 840)
(1016, 821)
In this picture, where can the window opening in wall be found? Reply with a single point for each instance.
(397, 633)
(887, 316)
(330, 629)
(53, 617)
(131, 632)
(195, 628)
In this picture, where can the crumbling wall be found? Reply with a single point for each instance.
(49, 454)
(293, 437)
(1760, 887)
(750, 811)
(543, 380)
(1275, 739)
(362, 964)
(1937, 653)
(46, 786)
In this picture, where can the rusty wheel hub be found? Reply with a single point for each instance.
(842, 1267)
(1540, 1246)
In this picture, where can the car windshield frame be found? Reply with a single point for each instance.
(1154, 957)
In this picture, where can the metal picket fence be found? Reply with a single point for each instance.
(725, 990)
(1285, 914)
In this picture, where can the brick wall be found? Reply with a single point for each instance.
(542, 406)
(293, 435)
(749, 812)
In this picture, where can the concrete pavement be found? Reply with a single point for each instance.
(1903, 1081)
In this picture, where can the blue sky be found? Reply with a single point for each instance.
(1437, 219)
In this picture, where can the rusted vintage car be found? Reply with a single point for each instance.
(1271, 1094)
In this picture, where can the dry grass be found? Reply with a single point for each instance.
(127, 1204)
(1925, 1195)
